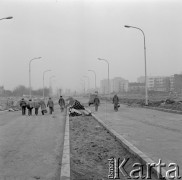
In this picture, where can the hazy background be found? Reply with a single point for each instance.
(71, 35)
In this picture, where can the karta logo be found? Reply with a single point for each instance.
(143, 171)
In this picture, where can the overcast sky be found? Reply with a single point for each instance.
(71, 35)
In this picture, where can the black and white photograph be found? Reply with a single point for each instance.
(90, 89)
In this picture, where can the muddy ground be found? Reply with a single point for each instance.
(91, 146)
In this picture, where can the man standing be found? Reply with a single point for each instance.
(61, 102)
(43, 106)
(23, 106)
(96, 102)
(115, 102)
(50, 104)
(36, 106)
(30, 107)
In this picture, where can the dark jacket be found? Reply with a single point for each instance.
(42, 105)
(30, 105)
(61, 102)
(115, 99)
(23, 103)
(96, 101)
(50, 103)
(36, 104)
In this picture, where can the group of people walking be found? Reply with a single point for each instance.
(40, 103)
(115, 101)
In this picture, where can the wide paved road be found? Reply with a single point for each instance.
(31, 147)
(158, 134)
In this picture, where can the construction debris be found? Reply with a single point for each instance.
(76, 108)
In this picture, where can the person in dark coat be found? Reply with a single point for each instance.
(50, 104)
(30, 107)
(23, 105)
(96, 102)
(115, 102)
(43, 106)
(36, 106)
(61, 102)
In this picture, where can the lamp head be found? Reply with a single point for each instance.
(10, 17)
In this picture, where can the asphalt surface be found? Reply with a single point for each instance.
(157, 134)
(31, 146)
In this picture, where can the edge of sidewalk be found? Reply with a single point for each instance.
(65, 164)
(132, 149)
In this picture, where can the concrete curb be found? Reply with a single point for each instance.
(165, 110)
(132, 149)
(65, 164)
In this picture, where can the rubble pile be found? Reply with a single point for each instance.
(166, 104)
(9, 104)
(76, 108)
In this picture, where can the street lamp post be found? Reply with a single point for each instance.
(43, 80)
(88, 82)
(30, 89)
(146, 90)
(95, 77)
(108, 73)
(10, 17)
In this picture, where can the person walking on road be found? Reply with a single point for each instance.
(50, 104)
(116, 102)
(61, 102)
(36, 106)
(30, 107)
(43, 106)
(23, 105)
(96, 102)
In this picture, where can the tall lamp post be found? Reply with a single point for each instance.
(88, 82)
(108, 73)
(43, 79)
(146, 90)
(10, 17)
(30, 89)
(95, 77)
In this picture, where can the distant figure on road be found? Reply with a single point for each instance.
(23, 105)
(50, 104)
(36, 106)
(61, 102)
(30, 107)
(43, 106)
(96, 102)
(116, 102)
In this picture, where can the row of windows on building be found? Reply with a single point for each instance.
(154, 83)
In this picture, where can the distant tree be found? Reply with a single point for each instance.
(20, 90)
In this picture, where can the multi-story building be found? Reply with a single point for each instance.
(171, 79)
(119, 84)
(1, 90)
(141, 79)
(136, 87)
(156, 83)
(104, 86)
(177, 83)
(116, 85)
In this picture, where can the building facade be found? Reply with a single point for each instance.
(116, 85)
(156, 83)
(136, 87)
